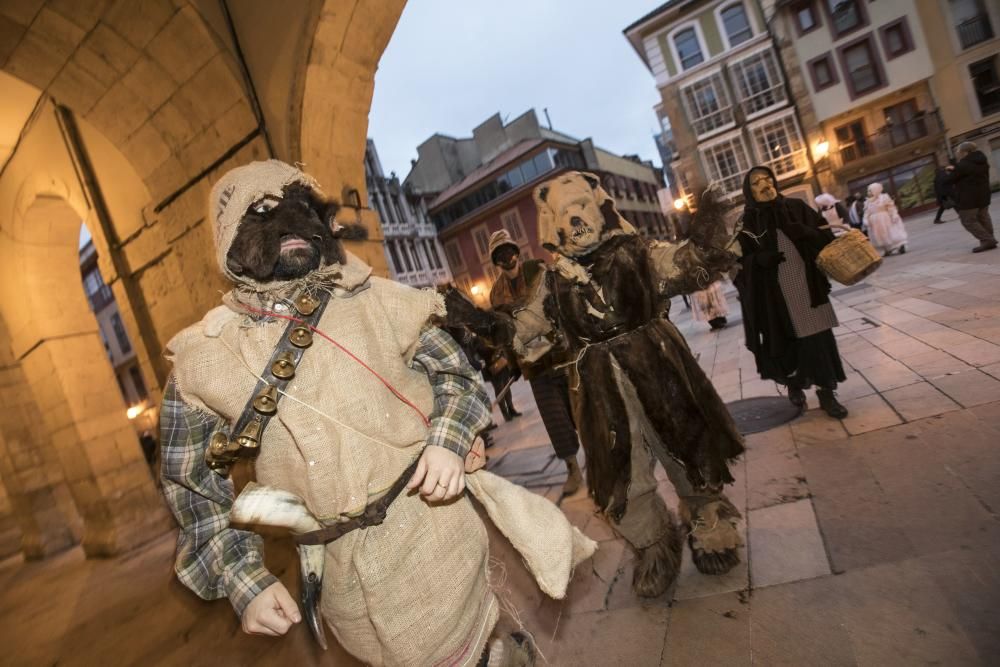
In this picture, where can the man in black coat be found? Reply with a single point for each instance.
(943, 192)
(971, 181)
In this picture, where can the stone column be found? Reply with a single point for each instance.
(36, 509)
(83, 414)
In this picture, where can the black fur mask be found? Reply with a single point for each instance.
(287, 238)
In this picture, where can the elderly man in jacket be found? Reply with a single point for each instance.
(970, 179)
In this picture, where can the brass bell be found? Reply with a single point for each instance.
(283, 367)
(300, 337)
(219, 444)
(266, 402)
(306, 305)
(249, 437)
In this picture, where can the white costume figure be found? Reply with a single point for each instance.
(709, 305)
(882, 222)
(835, 215)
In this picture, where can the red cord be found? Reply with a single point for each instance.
(395, 392)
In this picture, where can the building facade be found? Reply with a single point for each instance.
(474, 186)
(117, 344)
(411, 246)
(726, 95)
(868, 71)
(965, 54)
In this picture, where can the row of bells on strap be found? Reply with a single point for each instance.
(222, 451)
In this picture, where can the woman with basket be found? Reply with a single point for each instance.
(787, 315)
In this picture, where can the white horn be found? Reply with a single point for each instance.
(268, 506)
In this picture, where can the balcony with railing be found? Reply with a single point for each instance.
(923, 126)
(713, 121)
(974, 30)
(788, 164)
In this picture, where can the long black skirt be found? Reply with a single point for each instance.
(810, 361)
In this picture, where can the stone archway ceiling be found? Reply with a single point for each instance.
(153, 78)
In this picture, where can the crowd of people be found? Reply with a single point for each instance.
(397, 401)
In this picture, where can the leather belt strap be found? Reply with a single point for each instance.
(248, 430)
(373, 514)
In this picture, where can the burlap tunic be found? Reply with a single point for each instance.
(412, 591)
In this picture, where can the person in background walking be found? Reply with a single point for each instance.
(970, 178)
(855, 210)
(834, 212)
(882, 222)
(943, 192)
(709, 305)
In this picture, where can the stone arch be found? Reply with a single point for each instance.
(159, 88)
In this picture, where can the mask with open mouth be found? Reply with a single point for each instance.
(575, 214)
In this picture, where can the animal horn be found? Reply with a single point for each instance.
(267, 506)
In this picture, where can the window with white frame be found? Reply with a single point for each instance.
(688, 48)
(735, 24)
(758, 82)
(707, 103)
(511, 221)
(481, 237)
(727, 162)
(778, 144)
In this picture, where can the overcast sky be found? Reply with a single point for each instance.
(451, 64)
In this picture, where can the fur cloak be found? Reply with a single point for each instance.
(674, 393)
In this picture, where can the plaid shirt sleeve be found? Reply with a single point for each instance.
(212, 559)
(461, 406)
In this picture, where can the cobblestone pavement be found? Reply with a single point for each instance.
(870, 541)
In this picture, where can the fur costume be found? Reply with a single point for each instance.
(340, 439)
(637, 391)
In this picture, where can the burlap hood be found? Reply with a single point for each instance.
(575, 194)
(241, 187)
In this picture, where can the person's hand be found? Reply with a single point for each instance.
(440, 474)
(950, 168)
(768, 259)
(271, 613)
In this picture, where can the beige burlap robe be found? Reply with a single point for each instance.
(414, 590)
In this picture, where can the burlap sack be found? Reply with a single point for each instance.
(414, 590)
(550, 545)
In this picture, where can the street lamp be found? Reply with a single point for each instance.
(679, 203)
(822, 148)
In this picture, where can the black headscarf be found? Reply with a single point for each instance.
(766, 321)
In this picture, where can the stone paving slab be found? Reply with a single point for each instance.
(785, 544)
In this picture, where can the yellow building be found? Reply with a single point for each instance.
(868, 69)
(966, 80)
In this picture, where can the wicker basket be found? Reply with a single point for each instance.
(849, 258)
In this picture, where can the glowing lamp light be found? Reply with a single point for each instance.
(679, 203)
(822, 148)
(133, 411)
(476, 290)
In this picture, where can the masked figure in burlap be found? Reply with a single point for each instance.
(339, 389)
(638, 394)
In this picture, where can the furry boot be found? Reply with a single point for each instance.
(575, 477)
(712, 534)
(658, 565)
(514, 650)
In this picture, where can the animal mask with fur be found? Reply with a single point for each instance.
(575, 214)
